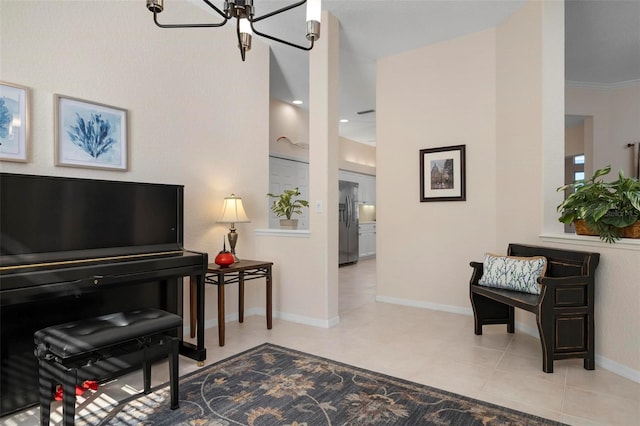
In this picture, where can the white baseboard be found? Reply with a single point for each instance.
(314, 322)
(425, 305)
(602, 362)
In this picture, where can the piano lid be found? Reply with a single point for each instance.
(44, 218)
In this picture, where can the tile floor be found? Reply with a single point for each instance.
(434, 348)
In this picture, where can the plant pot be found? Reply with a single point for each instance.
(583, 229)
(288, 223)
(631, 231)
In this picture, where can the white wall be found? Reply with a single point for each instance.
(187, 124)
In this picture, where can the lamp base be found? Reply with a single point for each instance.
(233, 239)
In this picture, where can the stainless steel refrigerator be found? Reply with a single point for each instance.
(348, 222)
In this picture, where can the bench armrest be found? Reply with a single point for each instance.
(555, 282)
(477, 271)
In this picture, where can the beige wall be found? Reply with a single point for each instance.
(500, 92)
(440, 95)
(187, 124)
(357, 157)
(308, 285)
(293, 122)
(616, 122)
(574, 140)
(519, 126)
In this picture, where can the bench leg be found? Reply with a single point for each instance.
(545, 328)
(511, 323)
(45, 386)
(590, 362)
(173, 373)
(488, 311)
(69, 380)
(146, 374)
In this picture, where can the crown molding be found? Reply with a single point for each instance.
(592, 85)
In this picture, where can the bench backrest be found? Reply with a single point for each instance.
(560, 263)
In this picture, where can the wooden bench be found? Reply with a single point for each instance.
(72, 352)
(564, 309)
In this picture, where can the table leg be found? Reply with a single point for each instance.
(221, 311)
(269, 299)
(192, 306)
(241, 296)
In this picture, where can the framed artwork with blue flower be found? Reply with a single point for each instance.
(14, 122)
(90, 134)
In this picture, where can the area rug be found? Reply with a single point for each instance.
(273, 385)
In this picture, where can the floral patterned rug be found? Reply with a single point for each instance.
(273, 385)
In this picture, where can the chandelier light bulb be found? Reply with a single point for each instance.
(313, 10)
(245, 26)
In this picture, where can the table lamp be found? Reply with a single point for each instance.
(233, 212)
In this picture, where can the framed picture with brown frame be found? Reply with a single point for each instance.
(442, 174)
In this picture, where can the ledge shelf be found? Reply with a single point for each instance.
(288, 233)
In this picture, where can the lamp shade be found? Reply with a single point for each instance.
(233, 211)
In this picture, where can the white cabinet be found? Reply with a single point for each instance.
(367, 240)
(367, 195)
(366, 185)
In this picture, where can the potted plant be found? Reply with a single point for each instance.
(608, 209)
(285, 205)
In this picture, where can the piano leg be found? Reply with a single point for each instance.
(196, 320)
(193, 307)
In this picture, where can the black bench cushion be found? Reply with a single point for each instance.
(78, 337)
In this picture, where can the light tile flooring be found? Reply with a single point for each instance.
(434, 348)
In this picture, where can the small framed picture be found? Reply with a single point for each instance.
(89, 134)
(442, 174)
(14, 122)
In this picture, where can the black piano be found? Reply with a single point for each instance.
(77, 248)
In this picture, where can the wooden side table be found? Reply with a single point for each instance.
(239, 272)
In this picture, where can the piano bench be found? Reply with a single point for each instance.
(68, 352)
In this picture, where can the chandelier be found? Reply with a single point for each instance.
(243, 11)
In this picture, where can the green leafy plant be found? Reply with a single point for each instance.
(286, 203)
(606, 207)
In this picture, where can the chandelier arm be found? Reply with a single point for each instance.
(155, 19)
(297, 46)
(275, 12)
(214, 7)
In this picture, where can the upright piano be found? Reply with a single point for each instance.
(77, 248)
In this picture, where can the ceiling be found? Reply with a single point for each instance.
(602, 43)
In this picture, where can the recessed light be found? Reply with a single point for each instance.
(344, 120)
(297, 102)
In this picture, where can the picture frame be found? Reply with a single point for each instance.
(442, 174)
(90, 134)
(15, 122)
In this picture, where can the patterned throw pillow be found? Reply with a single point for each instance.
(513, 273)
